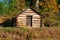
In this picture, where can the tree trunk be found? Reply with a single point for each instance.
(37, 3)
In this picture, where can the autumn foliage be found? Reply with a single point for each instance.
(48, 8)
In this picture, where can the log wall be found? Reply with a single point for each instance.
(36, 19)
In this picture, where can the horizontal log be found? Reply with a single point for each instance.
(28, 9)
(29, 14)
(36, 19)
(36, 26)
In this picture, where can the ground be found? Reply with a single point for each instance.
(23, 33)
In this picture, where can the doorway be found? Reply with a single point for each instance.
(29, 21)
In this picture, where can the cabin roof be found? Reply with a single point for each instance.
(32, 10)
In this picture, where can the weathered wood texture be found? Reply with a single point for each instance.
(22, 18)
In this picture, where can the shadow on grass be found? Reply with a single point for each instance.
(9, 23)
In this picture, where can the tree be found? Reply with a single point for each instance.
(1, 8)
(37, 3)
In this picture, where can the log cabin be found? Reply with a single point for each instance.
(29, 18)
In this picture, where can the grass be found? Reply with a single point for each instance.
(23, 33)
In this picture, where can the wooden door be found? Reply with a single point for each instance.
(29, 21)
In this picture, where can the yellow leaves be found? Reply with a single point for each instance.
(40, 3)
(55, 9)
(20, 4)
(58, 6)
(49, 6)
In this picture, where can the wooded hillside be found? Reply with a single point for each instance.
(50, 9)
